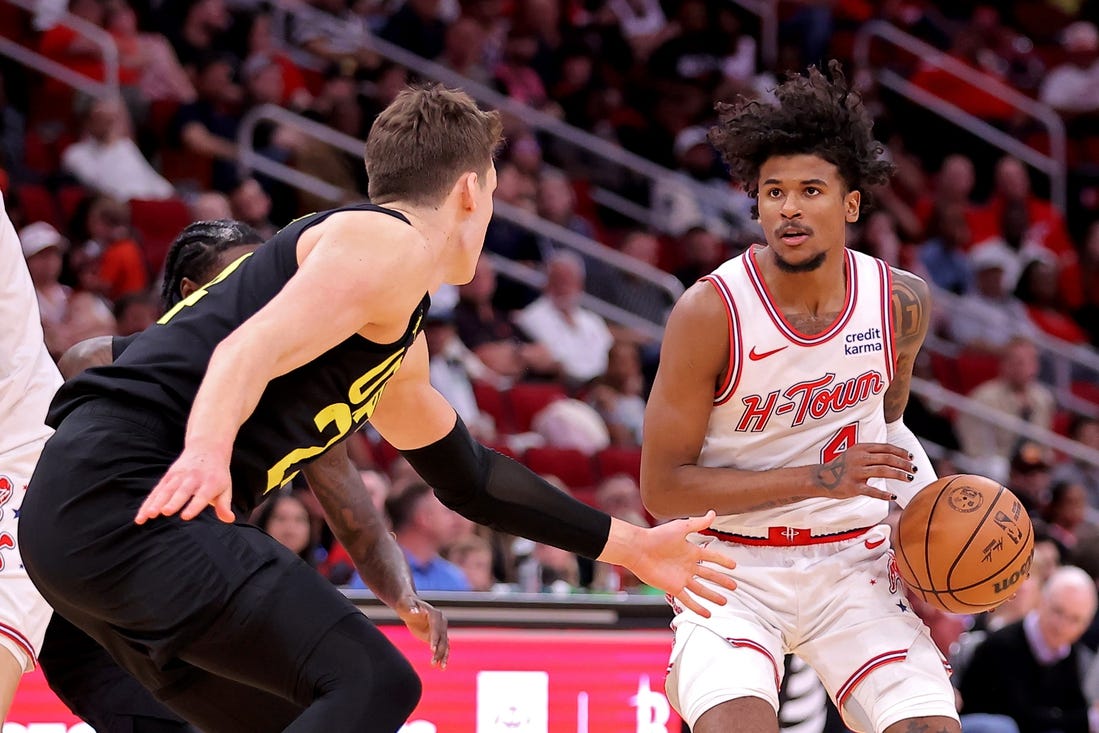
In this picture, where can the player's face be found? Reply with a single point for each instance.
(804, 209)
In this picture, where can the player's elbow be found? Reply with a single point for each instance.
(657, 497)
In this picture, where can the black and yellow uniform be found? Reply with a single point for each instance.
(225, 625)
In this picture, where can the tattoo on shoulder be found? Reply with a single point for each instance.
(911, 305)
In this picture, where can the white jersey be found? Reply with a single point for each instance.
(792, 400)
(28, 376)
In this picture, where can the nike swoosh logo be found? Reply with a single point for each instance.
(874, 545)
(756, 356)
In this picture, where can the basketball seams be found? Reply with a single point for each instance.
(926, 513)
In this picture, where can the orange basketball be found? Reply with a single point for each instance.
(964, 544)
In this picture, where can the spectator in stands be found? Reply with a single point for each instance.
(978, 100)
(618, 395)
(76, 51)
(107, 160)
(121, 265)
(557, 204)
(67, 316)
(1084, 430)
(1088, 312)
(1015, 243)
(703, 196)
(211, 206)
(135, 312)
(417, 26)
(620, 496)
(261, 42)
(559, 570)
(516, 77)
(454, 368)
(473, 555)
(1030, 477)
(1038, 290)
(332, 30)
(462, 50)
(1045, 226)
(942, 256)
(701, 251)
(1066, 515)
(423, 528)
(251, 204)
(953, 190)
(287, 520)
(643, 24)
(496, 342)
(928, 418)
(147, 56)
(626, 289)
(208, 126)
(1072, 87)
(12, 135)
(1017, 392)
(202, 33)
(1031, 671)
(578, 338)
(989, 316)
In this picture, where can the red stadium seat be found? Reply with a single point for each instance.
(616, 460)
(527, 399)
(570, 465)
(38, 204)
(975, 368)
(1086, 390)
(492, 402)
(158, 223)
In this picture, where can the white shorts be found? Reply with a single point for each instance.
(24, 614)
(840, 607)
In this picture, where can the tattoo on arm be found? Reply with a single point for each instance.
(911, 313)
(831, 474)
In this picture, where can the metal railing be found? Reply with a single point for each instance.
(99, 89)
(657, 283)
(1052, 164)
(610, 167)
(1067, 362)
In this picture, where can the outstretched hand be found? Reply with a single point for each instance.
(195, 481)
(426, 623)
(664, 558)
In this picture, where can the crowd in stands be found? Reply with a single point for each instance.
(100, 186)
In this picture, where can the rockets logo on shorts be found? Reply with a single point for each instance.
(7, 488)
(895, 582)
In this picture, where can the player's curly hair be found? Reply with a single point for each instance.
(194, 253)
(814, 116)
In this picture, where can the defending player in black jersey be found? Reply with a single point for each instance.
(243, 384)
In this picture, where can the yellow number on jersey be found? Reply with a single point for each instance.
(201, 292)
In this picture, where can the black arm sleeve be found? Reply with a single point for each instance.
(120, 343)
(491, 489)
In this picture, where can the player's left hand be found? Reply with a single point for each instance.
(195, 481)
(426, 623)
(664, 558)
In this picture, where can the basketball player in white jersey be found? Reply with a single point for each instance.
(778, 403)
(28, 380)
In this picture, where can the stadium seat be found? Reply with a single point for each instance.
(616, 460)
(975, 368)
(158, 223)
(38, 204)
(571, 466)
(492, 402)
(527, 399)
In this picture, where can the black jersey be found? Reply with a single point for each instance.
(300, 414)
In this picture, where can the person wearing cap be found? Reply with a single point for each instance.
(989, 316)
(724, 210)
(67, 317)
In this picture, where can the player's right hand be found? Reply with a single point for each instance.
(195, 481)
(847, 474)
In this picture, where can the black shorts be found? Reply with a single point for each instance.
(148, 592)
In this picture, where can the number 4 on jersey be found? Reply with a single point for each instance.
(844, 438)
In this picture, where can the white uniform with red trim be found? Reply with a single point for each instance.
(790, 400)
(28, 380)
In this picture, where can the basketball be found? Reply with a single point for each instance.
(964, 544)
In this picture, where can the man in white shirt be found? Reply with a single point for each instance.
(107, 160)
(577, 338)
